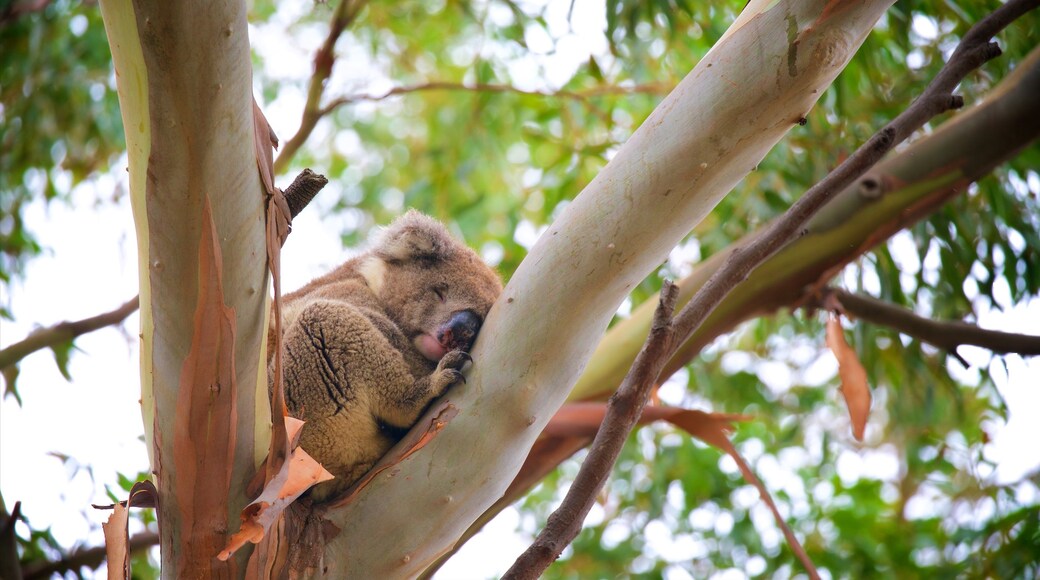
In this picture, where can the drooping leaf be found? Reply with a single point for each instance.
(854, 385)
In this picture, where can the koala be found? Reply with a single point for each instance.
(370, 345)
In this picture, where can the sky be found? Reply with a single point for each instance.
(63, 446)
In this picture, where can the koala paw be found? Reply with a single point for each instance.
(449, 369)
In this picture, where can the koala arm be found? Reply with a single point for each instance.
(402, 408)
(340, 356)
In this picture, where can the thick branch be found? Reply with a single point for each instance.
(947, 335)
(63, 332)
(87, 557)
(974, 50)
(623, 410)
(324, 59)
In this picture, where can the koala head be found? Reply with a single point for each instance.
(434, 288)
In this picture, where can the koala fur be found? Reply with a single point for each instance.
(371, 344)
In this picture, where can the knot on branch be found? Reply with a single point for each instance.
(872, 186)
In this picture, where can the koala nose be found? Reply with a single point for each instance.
(460, 330)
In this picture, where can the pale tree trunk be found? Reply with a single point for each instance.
(184, 84)
(184, 80)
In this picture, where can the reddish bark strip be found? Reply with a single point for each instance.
(204, 423)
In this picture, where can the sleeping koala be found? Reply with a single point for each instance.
(371, 344)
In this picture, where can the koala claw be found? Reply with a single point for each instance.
(455, 359)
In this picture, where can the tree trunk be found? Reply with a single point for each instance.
(184, 80)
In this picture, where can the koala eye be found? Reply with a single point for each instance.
(440, 293)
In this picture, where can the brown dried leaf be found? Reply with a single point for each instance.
(295, 477)
(854, 385)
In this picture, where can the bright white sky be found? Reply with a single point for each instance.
(91, 267)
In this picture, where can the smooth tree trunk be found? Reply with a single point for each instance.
(185, 81)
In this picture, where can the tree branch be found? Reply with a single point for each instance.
(63, 332)
(623, 410)
(89, 557)
(947, 335)
(303, 189)
(324, 59)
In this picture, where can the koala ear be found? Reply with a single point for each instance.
(415, 236)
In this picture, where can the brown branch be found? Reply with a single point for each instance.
(623, 410)
(947, 335)
(974, 50)
(324, 59)
(63, 332)
(86, 557)
(303, 189)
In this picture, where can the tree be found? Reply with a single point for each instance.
(194, 221)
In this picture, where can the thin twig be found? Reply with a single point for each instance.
(324, 59)
(63, 332)
(623, 410)
(947, 335)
